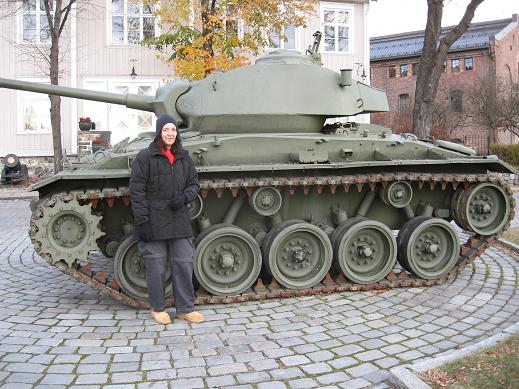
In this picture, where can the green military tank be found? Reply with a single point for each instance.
(288, 205)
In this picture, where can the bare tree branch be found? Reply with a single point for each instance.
(494, 106)
(462, 26)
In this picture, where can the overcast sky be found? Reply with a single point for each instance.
(395, 16)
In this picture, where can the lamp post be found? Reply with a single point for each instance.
(360, 74)
(133, 75)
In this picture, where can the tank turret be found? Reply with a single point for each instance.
(283, 92)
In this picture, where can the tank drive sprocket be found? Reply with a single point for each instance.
(63, 229)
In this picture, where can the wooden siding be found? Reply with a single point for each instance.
(19, 61)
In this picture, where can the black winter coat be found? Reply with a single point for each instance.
(154, 182)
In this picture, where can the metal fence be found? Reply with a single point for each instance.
(478, 142)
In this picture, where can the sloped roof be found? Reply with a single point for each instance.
(410, 44)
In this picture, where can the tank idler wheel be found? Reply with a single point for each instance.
(130, 272)
(364, 250)
(297, 254)
(483, 208)
(227, 260)
(428, 247)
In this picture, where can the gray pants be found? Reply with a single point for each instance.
(179, 253)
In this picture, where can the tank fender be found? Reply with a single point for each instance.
(454, 147)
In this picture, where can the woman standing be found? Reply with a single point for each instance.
(163, 180)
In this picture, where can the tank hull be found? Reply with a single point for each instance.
(322, 191)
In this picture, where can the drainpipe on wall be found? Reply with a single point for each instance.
(365, 60)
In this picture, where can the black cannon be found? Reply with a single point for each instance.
(14, 171)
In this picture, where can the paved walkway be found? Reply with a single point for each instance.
(14, 192)
(55, 332)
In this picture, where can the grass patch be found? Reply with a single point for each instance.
(512, 235)
(487, 272)
(496, 367)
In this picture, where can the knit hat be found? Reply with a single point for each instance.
(162, 120)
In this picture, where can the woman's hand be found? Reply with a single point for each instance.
(178, 202)
(144, 233)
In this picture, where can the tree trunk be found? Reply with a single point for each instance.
(431, 63)
(55, 120)
(55, 101)
(428, 76)
(493, 136)
(207, 31)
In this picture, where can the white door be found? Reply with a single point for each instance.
(124, 122)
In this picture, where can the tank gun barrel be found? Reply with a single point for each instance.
(143, 103)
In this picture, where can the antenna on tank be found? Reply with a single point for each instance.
(313, 50)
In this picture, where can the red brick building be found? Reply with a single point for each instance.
(488, 50)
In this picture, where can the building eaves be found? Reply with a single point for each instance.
(410, 44)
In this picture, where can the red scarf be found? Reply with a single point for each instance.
(169, 155)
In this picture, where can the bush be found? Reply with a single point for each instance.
(508, 153)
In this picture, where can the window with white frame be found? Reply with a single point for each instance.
(338, 26)
(276, 41)
(455, 65)
(34, 23)
(118, 119)
(233, 26)
(33, 113)
(130, 22)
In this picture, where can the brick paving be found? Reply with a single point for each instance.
(58, 333)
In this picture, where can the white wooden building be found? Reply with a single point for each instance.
(99, 49)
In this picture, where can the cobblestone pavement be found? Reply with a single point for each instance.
(56, 332)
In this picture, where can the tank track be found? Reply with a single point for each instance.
(469, 251)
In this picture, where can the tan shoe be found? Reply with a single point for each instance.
(193, 317)
(161, 317)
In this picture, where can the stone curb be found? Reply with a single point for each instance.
(22, 195)
(406, 378)
(508, 244)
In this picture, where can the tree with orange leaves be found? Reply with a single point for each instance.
(200, 37)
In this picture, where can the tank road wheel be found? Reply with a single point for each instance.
(130, 273)
(483, 208)
(364, 250)
(297, 254)
(428, 247)
(227, 261)
(65, 229)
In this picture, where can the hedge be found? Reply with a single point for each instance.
(508, 153)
